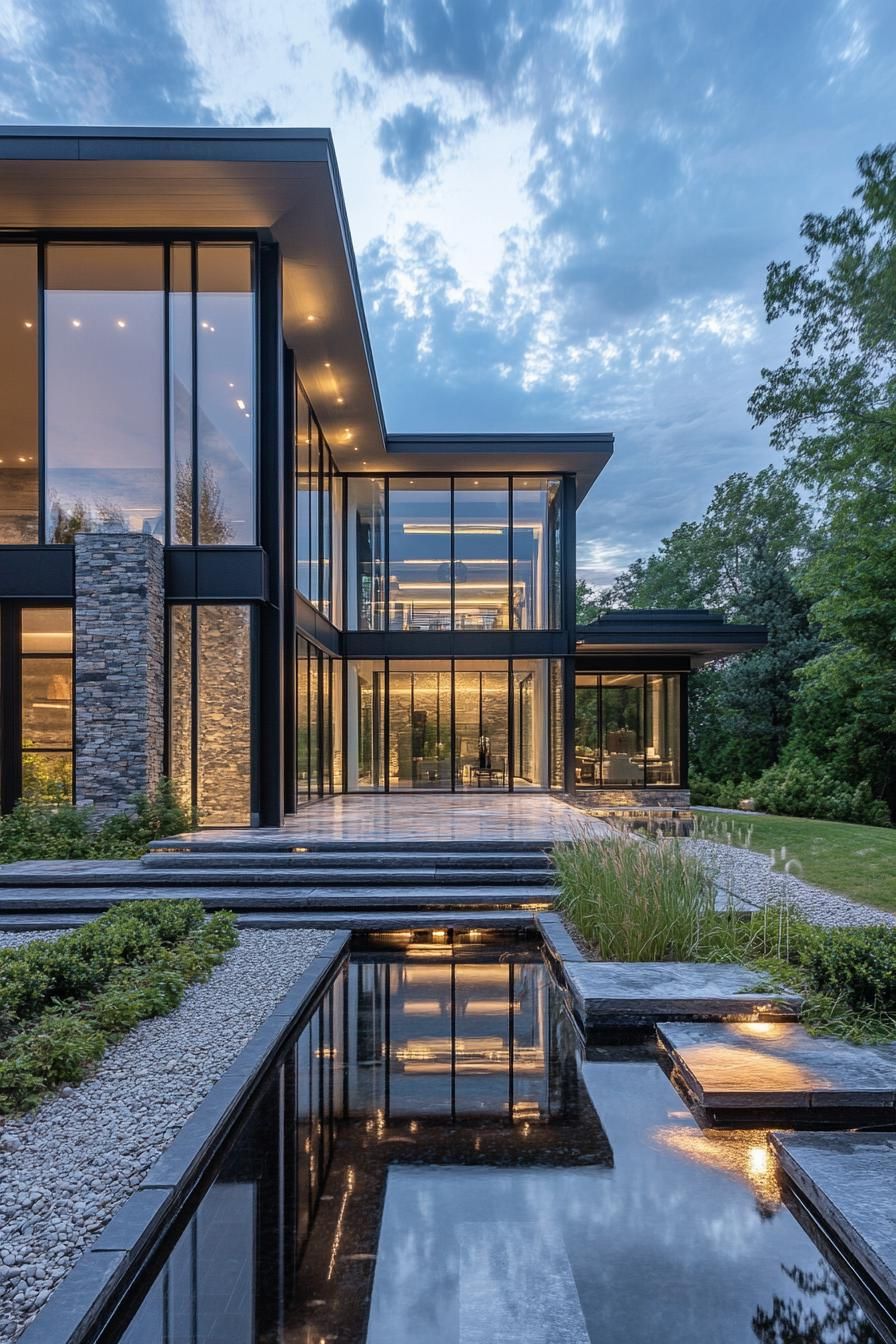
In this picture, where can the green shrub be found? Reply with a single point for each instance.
(857, 966)
(803, 786)
(62, 1002)
(707, 792)
(41, 829)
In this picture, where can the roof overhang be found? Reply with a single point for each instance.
(703, 636)
(584, 455)
(284, 182)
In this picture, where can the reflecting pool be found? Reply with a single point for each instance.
(435, 1162)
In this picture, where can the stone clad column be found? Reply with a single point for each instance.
(119, 667)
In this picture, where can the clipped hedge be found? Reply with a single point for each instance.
(63, 1002)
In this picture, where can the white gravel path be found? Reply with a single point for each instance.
(66, 1167)
(748, 874)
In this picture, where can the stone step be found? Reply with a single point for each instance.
(81, 900)
(281, 877)
(285, 841)
(337, 859)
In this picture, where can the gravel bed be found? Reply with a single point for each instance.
(748, 874)
(66, 1167)
(20, 939)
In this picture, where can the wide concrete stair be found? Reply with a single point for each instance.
(279, 874)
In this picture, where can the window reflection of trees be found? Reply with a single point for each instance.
(823, 1313)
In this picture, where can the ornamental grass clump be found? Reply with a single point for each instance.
(636, 899)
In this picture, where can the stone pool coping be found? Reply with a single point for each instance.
(638, 995)
(848, 1182)
(99, 1278)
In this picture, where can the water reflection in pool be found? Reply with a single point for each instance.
(435, 1163)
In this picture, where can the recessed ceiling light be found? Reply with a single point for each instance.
(241, 403)
(247, 415)
(21, 459)
(29, 324)
(326, 363)
(231, 384)
(340, 400)
(76, 321)
(356, 448)
(312, 317)
(121, 322)
(204, 324)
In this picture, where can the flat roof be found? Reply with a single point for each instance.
(284, 182)
(703, 635)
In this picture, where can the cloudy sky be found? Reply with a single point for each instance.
(563, 209)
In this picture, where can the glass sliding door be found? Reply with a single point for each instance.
(419, 725)
(419, 553)
(104, 389)
(481, 703)
(622, 730)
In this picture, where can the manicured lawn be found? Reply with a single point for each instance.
(859, 861)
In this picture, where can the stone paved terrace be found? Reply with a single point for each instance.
(776, 1071)
(476, 818)
(623, 994)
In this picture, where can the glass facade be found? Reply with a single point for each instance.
(104, 389)
(19, 334)
(454, 559)
(46, 682)
(419, 553)
(452, 725)
(627, 729)
(318, 515)
(365, 545)
(126, 330)
(210, 711)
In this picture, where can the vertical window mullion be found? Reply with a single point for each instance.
(166, 359)
(194, 400)
(644, 726)
(451, 602)
(453, 729)
(510, 623)
(386, 716)
(40, 316)
(386, 599)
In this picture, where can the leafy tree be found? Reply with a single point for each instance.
(832, 410)
(588, 605)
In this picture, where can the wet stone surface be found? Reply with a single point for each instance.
(764, 1066)
(849, 1181)
(608, 993)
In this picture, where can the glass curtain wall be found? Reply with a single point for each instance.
(210, 711)
(366, 552)
(104, 398)
(627, 729)
(107, 313)
(19, 335)
(419, 725)
(318, 529)
(46, 698)
(481, 554)
(454, 559)
(471, 724)
(419, 553)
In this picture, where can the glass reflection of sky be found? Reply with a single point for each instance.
(682, 1239)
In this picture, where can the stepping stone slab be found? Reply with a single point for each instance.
(849, 1183)
(776, 1069)
(640, 994)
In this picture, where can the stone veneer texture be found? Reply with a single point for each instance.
(119, 667)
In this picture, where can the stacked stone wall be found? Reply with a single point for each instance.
(119, 668)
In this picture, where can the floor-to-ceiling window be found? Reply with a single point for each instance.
(365, 724)
(419, 725)
(19, 335)
(463, 552)
(627, 729)
(210, 711)
(419, 553)
(104, 381)
(46, 704)
(318, 520)
(481, 723)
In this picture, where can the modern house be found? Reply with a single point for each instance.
(215, 561)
